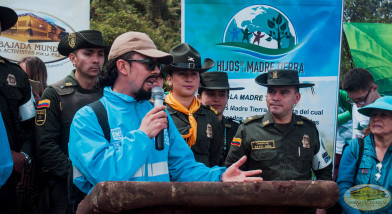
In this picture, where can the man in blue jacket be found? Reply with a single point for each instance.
(130, 155)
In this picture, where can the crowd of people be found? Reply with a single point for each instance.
(99, 125)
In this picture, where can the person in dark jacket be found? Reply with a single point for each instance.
(59, 103)
(17, 108)
(214, 91)
(197, 123)
(284, 145)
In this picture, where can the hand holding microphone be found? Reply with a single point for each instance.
(158, 95)
(155, 121)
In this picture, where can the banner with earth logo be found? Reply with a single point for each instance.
(40, 26)
(248, 38)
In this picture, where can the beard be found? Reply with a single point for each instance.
(143, 94)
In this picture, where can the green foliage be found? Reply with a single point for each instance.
(368, 11)
(157, 18)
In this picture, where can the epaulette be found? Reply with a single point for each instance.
(4, 60)
(307, 120)
(212, 109)
(252, 118)
(61, 89)
(209, 108)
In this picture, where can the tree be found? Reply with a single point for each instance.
(157, 18)
(281, 28)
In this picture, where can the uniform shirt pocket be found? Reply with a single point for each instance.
(305, 154)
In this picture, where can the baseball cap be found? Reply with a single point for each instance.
(140, 43)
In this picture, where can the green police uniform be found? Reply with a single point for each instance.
(209, 140)
(216, 80)
(229, 128)
(54, 114)
(283, 153)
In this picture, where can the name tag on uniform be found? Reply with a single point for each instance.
(268, 144)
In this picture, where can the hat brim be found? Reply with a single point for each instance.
(162, 57)
(223, 88)
(262, 80)
(64, 49)
(8, 18)
(207, 65)
(367, 110)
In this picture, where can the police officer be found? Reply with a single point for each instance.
(59, 102)
(17, 108)
(214, 91)
(197, 123)
(285, 146)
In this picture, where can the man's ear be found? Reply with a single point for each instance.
(297, 97)
(72, 57)
(198, 96)
(122, 67)
(375, 87)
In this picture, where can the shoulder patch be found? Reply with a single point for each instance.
(43, 103)
(236, 141)
(252, 118)
(40, 117)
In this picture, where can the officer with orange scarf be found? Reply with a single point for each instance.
(197, 123)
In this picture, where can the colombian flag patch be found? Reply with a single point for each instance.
(236, 142)
(43, 103)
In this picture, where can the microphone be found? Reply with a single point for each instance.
(157, 95)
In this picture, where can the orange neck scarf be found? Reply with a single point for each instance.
(173, 102)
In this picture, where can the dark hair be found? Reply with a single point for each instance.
(200, 90)
(36, 70)
(108, 77)
(357, 79)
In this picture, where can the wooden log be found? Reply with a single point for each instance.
(120, 196)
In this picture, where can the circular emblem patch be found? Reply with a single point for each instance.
(11, 80)
(367, 197)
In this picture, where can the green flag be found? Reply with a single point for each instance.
(371, 48)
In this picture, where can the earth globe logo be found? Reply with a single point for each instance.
(261, 31)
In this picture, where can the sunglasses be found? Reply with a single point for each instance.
(378, 174)
(151, 64)
(360, 101)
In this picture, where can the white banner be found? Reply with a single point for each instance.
(41, 24)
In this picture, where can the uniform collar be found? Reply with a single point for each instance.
(70, 80)
(268, 120)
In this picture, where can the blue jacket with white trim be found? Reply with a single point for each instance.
(130, 155)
